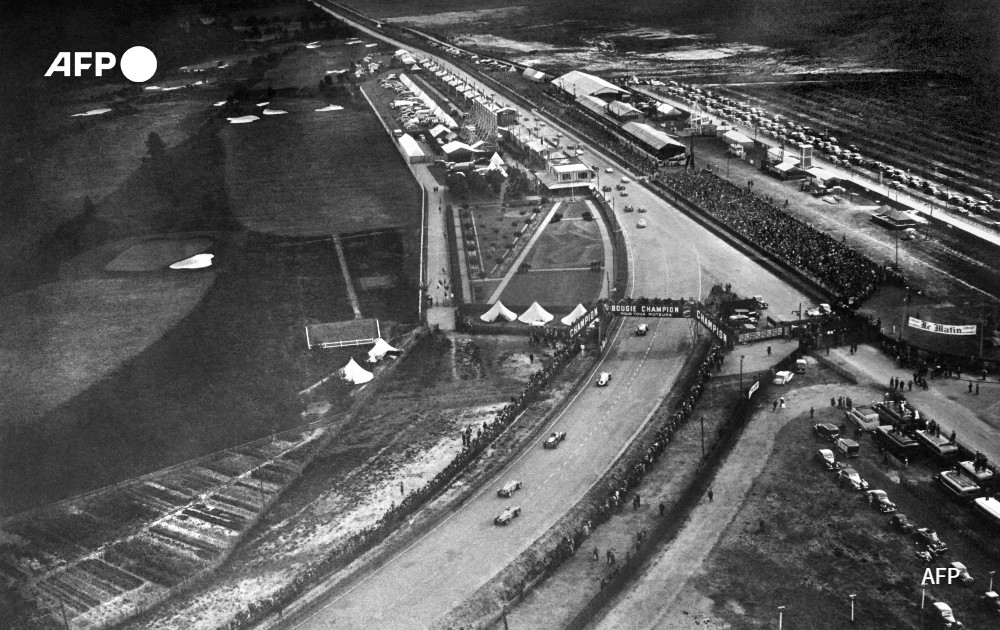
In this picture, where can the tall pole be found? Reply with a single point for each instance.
(991, 580)
(852, 607)
(702, 436)
(923, 596)
(781, 611)
(742, 356)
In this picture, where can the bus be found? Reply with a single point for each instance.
(989, 508)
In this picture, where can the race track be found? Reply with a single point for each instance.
(672, 257)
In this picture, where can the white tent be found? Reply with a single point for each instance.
(498, 310)
(355, 373)
(577, 313)
(535, 314)
(379, 350)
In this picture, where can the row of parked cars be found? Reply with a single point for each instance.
(927, 540)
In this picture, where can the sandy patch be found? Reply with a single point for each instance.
(93, 112)
(493, 41)
(274, 112)
(199, 261)
(158, 253)
(460, 17)
(240, 120)
(330, 108)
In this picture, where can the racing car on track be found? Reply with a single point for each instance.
(554, 439)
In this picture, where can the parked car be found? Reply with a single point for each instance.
(606, 188)
(849, 478)
(825, 456)
(863, 417)
(626, 180)
(901, 523)
(963, 573)
(947, 617)
(928, 538)
(642, 330)
(783, 377)
(827, 431)
(641, 209)
(604, 379)
(609, 170)
(554, 439)
(641, 224)
(624, 193)
(508, 515)
(509, 488)
(879, 500)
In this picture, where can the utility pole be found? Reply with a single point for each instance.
(702, 418)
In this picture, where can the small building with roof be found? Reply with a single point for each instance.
(578, 84)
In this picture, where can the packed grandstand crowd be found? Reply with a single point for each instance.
(844, 271)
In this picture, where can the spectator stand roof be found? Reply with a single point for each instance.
(821, 174)
(592, 103)
(654, 139)
(355, 332)
(582, 84)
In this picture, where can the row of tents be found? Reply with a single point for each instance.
(534, 316)
(357, 375)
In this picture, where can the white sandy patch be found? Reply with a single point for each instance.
(198, 261)
(330, 108)
(219, 104)
(274, 112)
(312, 45)
(370, 45)
(493, 41)
(264, 104)
(94, 112)
(239, 120)
(313, 529)
(152, 87)
(172, 88)
(459, 17)
(650, 33)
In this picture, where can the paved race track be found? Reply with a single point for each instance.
(673, 257)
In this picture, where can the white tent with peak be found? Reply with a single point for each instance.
(379, 350)
(498, 310)
(577, 313)
(355, 373)
(535, 315)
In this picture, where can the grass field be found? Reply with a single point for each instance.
(567, 244)
(558, 289)
(227, 373)
(48, 184)
(304, 173)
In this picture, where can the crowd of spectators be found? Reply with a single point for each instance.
(349, 549)
(844, 271)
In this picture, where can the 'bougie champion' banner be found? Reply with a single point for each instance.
(944, 329)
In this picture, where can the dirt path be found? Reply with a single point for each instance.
(652, 603)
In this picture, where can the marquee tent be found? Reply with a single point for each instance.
(535, 314)
(577, 313)
(355, 373)
(380, 349)
(498, 310)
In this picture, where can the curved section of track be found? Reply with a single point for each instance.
(672, 257)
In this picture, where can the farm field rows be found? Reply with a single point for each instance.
(118, 552)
